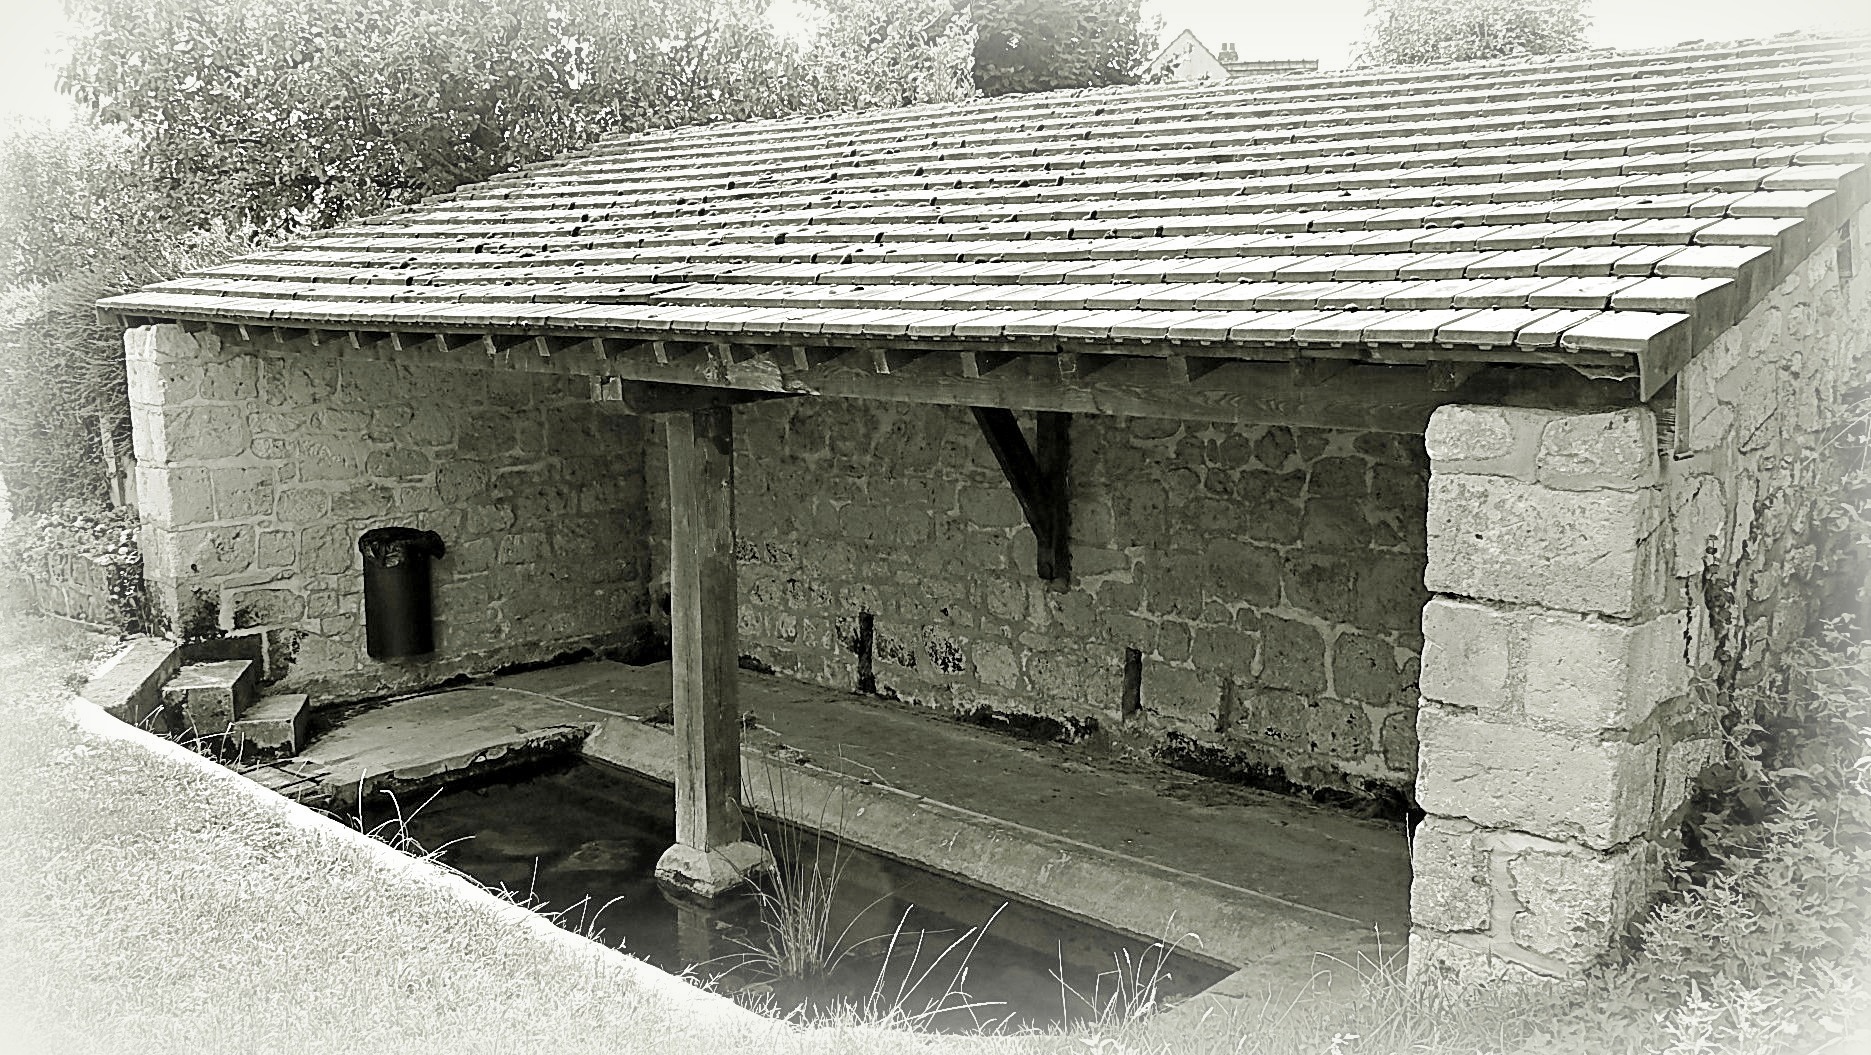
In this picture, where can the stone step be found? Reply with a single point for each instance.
(276, 727)
(205, 699)
(129, 686)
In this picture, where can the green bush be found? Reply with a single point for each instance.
(39, 544)
(77, 224)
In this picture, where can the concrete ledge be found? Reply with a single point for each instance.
(632, 974)
(129, 685)
(1232, 926)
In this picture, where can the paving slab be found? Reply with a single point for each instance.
(425, 740)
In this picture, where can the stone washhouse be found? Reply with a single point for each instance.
(1422, 440)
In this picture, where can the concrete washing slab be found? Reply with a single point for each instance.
(1261, 882)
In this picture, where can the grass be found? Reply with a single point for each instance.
(153, 908)
(155, 905)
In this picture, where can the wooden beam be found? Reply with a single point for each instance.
(981, 364)
(703, 647)
(1052, 441)
(649, 397)
(1447, 376)
(1037, 474)
(1366, 396)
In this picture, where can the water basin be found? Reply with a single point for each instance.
(582, 839)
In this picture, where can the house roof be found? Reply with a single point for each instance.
(1607, 211)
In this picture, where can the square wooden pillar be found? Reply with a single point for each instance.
(709, 856)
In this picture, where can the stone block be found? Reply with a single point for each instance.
(1292, 656)
(1589, 674)
(1683, 763)
(1397, 740)
(275, 726)
(1365, 668)
(1175, 692)
(1391, 593)
(1573, 901)
(243, 494)
(174, 497)
(1506, 540)
(1589, 451)
(129, 685)
(1569, 787)
(205, 553)
(1237, 571)
(1446, 962)
(203, 433)
(268, 606)
(1698, 522)
(207, 698)
(1487, 441)
(1449, 885)
(1470, 655)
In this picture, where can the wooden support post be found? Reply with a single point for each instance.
(1037, 474)
(709, 856)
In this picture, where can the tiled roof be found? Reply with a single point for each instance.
(1601, 209)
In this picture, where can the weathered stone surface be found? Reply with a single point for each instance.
(206, 698)
(203, 433)
(1683, 763)
(1187, 547)
(708, 874)
(259, 510)
(1366, 668)
(1557, 786)
(1500, 539)
(1440, 961)
(129, 685)
(1492, 441)
(1470, 655)
(276, 725)
(1590, 674)
(1587, 451)
(1573, 901)
(1449, 885)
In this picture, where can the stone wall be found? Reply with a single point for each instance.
(1604, 583)
(1269, 580)
(97, 591)
(1760, 417)
(259, 467)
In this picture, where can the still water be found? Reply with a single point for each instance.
(582, 839)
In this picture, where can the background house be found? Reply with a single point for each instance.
(1186, 58)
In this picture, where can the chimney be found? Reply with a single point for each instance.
(1227, 54)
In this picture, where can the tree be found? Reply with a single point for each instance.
(77, 224)
(1416, 32)
(1041, 45)
(880, 53)
(297, 114)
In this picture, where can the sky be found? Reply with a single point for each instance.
(1325, 30)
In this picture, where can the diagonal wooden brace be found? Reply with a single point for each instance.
(1037, 473)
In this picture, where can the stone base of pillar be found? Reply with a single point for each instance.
(708, 874)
